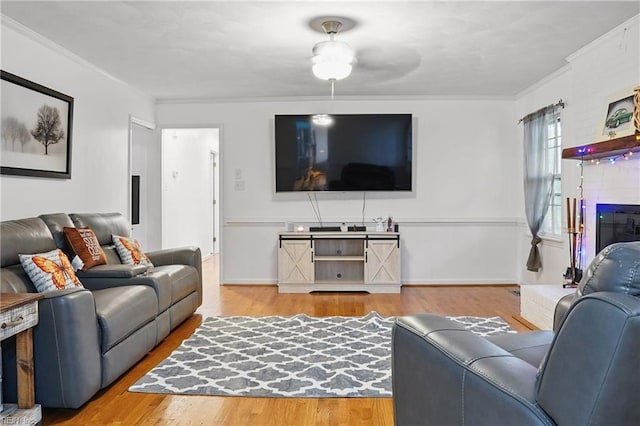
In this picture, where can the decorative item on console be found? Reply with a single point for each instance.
(379, 221)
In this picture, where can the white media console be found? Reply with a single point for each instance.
(339, 261)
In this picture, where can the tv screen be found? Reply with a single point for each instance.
(358, 152)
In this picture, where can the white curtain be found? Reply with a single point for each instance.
(539, 170)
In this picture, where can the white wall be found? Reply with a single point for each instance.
(459, 226)
(187, 192)
(599, 70)
(99, 169)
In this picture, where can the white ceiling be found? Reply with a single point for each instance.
(227, 49)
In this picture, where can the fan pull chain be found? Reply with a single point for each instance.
(333, 87)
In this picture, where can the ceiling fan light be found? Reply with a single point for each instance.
(331, 70)
(332, 60)
(334, 49)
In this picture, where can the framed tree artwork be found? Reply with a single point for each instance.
(37, 124)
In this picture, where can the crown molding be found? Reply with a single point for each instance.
(27, 32)
(372, 98)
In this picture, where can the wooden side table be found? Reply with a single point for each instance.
(18, 315)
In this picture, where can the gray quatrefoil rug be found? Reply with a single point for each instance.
(298, 356)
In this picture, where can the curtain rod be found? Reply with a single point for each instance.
(560, 103)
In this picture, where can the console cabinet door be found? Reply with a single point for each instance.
(295, 262)
(382, 262)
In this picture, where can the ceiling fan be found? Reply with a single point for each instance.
(334, 59)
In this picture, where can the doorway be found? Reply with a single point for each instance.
(190, 188)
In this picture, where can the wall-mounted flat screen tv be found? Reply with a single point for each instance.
(344, 152)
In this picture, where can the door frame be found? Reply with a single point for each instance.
(215, 194)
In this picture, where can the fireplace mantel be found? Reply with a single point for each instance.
(606, 149)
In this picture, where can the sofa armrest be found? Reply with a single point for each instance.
(66, 351)
(444, 374)
(177, 256)
(112, 275)
(562, 307)
(113, 271)
(180, 256)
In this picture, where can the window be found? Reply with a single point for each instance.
(552, 224)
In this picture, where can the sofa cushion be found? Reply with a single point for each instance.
(49, 271)
(23, 236)
(123, 310)
(183, 279)
(13, 279)
(130, 251)
(85, 245)
(56, 222)
(103, 224)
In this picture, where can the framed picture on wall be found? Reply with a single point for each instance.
(618, 117)
(37, 124)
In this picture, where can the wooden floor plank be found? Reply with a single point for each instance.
(116, 406)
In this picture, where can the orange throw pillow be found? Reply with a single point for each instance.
(49, 271)
(130, 251)
(84, 243)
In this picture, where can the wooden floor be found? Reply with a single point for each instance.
(116, 406)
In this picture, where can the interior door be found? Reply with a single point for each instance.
(145, 190)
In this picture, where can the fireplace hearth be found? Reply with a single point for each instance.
(616, 223)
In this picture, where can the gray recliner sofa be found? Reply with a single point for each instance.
(87, 337)
(586, 372)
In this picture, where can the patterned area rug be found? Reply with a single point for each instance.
(297, 356)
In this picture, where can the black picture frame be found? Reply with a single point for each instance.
(35, 120)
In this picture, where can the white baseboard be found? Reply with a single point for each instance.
(414, 282)
(459, 281)
(265, 281)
